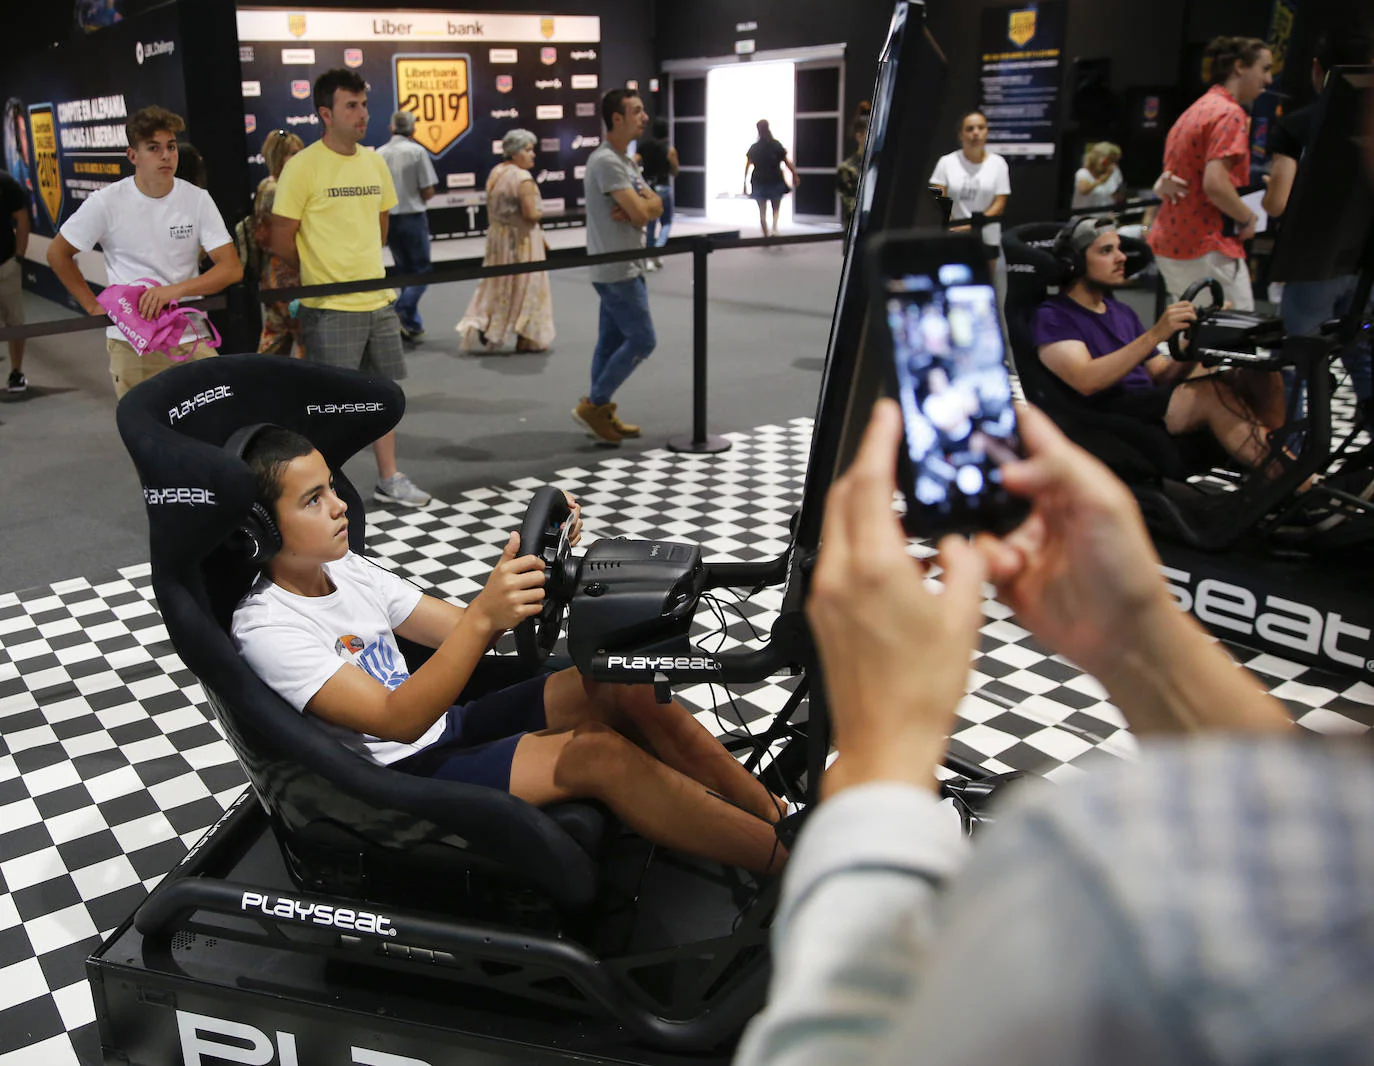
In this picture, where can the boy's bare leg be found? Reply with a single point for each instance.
(669, 730)
(593, 761)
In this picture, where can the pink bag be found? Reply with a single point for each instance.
(162, 334)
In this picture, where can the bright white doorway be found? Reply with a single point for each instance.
(737, 96)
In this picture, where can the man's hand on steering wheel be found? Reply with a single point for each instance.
(513, 592)
(1177, 316)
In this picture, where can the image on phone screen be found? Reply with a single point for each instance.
(954, 390)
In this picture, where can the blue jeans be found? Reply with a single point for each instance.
(656, 232)
(625, 336)
(408, 238)
(1307, 304)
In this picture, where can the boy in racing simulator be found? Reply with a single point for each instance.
(319, 628)
(1098, 346)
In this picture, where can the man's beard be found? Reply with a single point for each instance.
(1102, 289)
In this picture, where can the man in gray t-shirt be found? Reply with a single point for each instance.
(619, 204)
(408, 234)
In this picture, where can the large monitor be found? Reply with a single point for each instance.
(1330, 215)
(900, 154)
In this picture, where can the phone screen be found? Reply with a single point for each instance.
(955, 393)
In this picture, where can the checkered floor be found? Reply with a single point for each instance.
(111, 764)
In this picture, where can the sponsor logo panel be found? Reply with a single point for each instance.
(584, 81)
(505, 112)
(584, 141)
(353, 57)
(300, 89)
(581, 55)
(250, 88)
(548, 111)
(548, 55)
(462, 181)
(503, 55)
(435, 90)
(47, 164)
(298, 56)
(586, 110)
(550, 144)
(504, 83)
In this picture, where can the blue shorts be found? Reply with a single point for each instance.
(479, 738)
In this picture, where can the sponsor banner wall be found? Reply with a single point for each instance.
(468, 79)
(65, 110)
(1021, 50)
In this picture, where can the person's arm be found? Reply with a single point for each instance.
(427, 193)
(1070, 360)
(1084, 182)
(1282, 171)
(282, 239)
(1217, 187)
(384, 224)
(672, 161)
(225, 270)
(787, 162)
(355, 700)
(429, 180)
(21, 232)
(531, 204)
(998, 205)
(639, 206)
(744, 182)
(1169, 187)
(1081, 574)
(62, 259)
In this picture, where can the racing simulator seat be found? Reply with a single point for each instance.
(1202, 514)
(453, 880)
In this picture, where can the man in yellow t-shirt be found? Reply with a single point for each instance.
(330, 216)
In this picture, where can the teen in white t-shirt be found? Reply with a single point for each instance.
(974, 178)
(151, 226)
(319, 628)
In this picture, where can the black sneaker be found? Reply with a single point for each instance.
(17, 382)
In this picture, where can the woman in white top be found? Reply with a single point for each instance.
(1097, 185)
(977, 180)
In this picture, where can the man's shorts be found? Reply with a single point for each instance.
(128, 368)
(369, 341)
(479, 739)
(11, 293)
(1234, 275)
(1147, 404)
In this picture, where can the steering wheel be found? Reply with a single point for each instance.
(1176, 350)
(545, 533)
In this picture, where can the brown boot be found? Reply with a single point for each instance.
(598, 419)
(625, 429)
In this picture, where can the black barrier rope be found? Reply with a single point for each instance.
(699, 247)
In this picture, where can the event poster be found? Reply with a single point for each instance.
(467, 78)
(65, 111)
(1021, 51)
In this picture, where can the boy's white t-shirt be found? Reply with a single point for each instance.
(297, 643)
(973, 186)
(148, 237)
(1102, 196)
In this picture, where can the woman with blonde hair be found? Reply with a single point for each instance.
(280, 331)
(514, 307)
(1097, 185)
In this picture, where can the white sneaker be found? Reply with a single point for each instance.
(400, 489)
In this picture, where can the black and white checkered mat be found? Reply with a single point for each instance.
(111, 764)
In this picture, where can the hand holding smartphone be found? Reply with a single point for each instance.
(935, 318)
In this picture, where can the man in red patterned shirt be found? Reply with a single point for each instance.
(1203, 233)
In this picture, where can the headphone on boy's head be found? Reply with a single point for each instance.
(1071, 246)
(257, 535)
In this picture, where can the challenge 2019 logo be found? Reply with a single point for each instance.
(47, 167)
(435, 89)
(1021, 27)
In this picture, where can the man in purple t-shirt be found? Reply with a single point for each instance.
(1097, 345)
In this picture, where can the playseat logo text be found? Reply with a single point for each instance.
(190, 496)
(661, 662)
(199, 400)
(252, 1047)
(317, 914)
(1288, 623)
(344, 408)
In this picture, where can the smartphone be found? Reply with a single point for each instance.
(935, 318)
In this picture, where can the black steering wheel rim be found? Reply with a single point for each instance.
(1176, 339)
(543, 533)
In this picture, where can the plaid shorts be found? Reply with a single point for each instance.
(369, 341)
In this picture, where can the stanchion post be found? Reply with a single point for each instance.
(700, 441)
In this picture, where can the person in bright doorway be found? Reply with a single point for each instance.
(657, 160)
(1203, 234)
(619, 206)
(331, 216)
(14, 245)
(767, 157)
(408, 232)
(978, 181)
(151, 225)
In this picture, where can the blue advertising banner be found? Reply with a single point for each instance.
(467, 78)
(1021, 51)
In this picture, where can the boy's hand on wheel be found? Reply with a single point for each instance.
(513, 592)
(895, 654)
